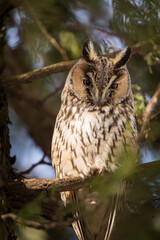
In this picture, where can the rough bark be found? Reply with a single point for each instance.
(5, 227)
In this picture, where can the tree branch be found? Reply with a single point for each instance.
(52, 93)
(46, 33)
(30, 188)
(38, 73)
(22, 190)
(42, 161)
(17, 186)
(147, 115)
(33, 224)
(151, 105)
(48, 70)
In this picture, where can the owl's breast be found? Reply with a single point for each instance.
(89, 141)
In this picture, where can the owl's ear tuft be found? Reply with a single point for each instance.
(122, 57)
(89, 53)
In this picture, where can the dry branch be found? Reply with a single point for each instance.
(42, 161)
(39, 73)
(26, 189)
(44, 31)
(48, 70)
(52, 93)
(22, 190)
(33, 224)
(147, 115)
(17, 186)
(151, 105)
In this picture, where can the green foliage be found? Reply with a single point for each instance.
(154, 131)
(139, 102)
(142, 212)
(108, 184)
(153, 57)
(72, 47)
(52, 195)
(32, 209)
(25, 233)
(139, 21)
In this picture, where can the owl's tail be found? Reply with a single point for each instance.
(97, 219)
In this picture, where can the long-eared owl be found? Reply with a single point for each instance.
(91, 129)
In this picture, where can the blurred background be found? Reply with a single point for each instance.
(40, 33)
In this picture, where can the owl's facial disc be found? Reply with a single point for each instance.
(100, 94)
(100, 86)
(100, 80)
(110, 80)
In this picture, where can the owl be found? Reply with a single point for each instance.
(91, 131)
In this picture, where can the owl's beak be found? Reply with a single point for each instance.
(98, 97)
(100, 101)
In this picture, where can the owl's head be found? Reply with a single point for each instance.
(99, 80)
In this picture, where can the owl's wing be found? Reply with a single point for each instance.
(97, 218)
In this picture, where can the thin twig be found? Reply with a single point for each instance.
(155, 115)
(52, 93)
(33, 224)
(44, 31)
(148, 114)
(42, 161)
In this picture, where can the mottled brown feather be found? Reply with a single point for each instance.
(90, 133)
